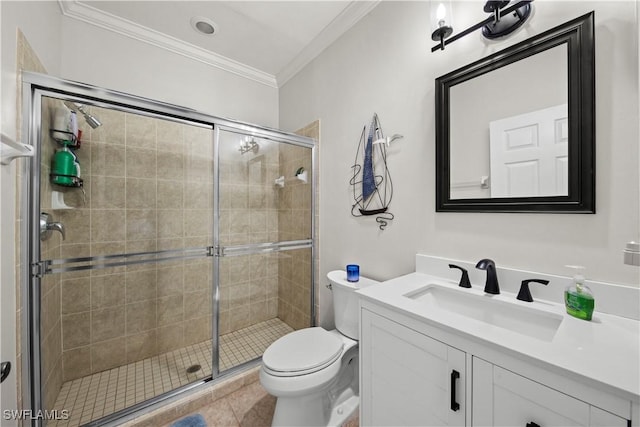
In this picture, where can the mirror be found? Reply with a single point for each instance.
(515, 130)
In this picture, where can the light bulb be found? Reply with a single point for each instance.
(441, 12)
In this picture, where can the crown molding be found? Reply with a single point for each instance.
(355, 11)
(83, 12)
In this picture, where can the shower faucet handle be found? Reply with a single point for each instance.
(47, 225)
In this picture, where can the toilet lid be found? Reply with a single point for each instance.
(302, 352)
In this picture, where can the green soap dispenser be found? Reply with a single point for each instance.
(578, 298)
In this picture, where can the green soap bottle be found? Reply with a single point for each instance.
(578, 298)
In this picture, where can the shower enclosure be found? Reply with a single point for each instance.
(178, 249)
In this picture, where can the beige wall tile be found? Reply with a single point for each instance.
(140, 316)
(170, 280)
(140, 131)
(141, 345)
(198, 168)
(170, 309)
(108, 354)
(141, 163)
(76, 330)
(141, 193)
(198, 195)
(197, 330)
(198, 222)
(170, 337)
(197, 304)
(197, 275)
(76, 295)
(76, 363)
(112, 130)
(107, 291)
(170, 194)
(76, 224)
(170, 136)
(107, 225)
(170, 165)
(107, 159)
(51, 349)
(141, 224)
(141, 285)
(107, 323)
(170, 223)
(50, 314)
(107, 192)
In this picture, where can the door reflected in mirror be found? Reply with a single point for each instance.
(514, 142)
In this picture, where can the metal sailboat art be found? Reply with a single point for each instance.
(370, 180)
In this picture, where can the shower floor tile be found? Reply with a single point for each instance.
(98, 395)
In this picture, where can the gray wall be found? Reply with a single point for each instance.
(384, 65)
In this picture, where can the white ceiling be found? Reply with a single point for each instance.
(268, 41)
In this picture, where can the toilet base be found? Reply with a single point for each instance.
(313, 410)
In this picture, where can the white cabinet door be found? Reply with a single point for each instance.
(409, 379)
(503, 398)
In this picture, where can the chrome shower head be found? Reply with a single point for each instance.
(90, 119)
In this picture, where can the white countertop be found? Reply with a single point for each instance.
(605, 349)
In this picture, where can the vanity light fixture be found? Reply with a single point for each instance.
(441, 19)
(504, 20)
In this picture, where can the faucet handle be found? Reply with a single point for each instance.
(525, 294)
(464, 279)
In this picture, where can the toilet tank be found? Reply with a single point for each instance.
(346, 302)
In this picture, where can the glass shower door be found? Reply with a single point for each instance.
(263, 241)
(126, 292)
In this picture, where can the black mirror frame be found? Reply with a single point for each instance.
(579, 36)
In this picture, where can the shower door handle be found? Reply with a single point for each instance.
(5, 368)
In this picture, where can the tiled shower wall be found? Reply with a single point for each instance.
(148, 186)
(294, 223)
(248, 214)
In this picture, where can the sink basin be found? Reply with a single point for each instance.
(487, 309)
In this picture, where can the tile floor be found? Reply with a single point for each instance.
(250, 406)
(104, 393)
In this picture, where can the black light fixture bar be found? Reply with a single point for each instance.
(490, 19)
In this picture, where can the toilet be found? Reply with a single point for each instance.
(314, 372)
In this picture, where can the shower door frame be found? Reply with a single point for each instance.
(34, 87)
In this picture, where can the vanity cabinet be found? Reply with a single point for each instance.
(409, 379)
(413, 376)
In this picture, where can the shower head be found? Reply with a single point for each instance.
(90, 119)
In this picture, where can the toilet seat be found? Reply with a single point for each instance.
(302, 352)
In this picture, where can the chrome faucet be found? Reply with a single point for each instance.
(491, 285)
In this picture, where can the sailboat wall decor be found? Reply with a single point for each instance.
(371, 180)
